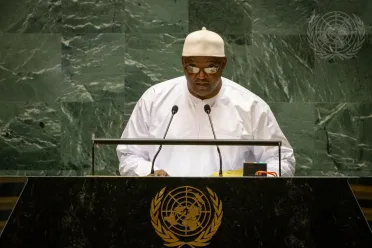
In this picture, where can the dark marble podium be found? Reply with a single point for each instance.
(234, 212)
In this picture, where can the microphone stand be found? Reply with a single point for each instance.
(207, 109)
(174, 111)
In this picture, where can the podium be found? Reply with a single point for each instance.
(193, 142)
(186, 212)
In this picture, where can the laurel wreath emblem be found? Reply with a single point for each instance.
(329, 53)
(171, 239)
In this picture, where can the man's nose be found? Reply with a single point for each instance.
(201, 74)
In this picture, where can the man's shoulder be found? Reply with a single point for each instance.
(163, 88)
(168, 84)
(238, 93)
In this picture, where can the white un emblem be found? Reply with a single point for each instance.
(335, 34)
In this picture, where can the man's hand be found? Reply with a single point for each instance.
(160, 173)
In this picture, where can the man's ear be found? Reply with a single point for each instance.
(224, 62)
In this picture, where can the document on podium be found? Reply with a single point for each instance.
(249, 169)
(229, 173)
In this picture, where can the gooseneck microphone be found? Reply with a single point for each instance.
(174, 111)
(207, 110)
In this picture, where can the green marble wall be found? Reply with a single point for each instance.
(69, 68)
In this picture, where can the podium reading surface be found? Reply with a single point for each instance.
(186, 212)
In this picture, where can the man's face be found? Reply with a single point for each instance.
(203, 75)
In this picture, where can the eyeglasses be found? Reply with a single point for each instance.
(208, 70)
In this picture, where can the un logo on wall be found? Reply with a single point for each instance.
(186, 216)
(336, 34)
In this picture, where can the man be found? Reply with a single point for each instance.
(236, 113)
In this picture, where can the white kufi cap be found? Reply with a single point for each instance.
(204, 43)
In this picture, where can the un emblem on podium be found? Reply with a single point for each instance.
(186, 216)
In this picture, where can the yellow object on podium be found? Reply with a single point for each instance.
(229, 173)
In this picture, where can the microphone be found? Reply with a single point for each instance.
(174, 111)
(207, 110)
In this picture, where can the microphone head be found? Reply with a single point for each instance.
(174, 109)
(207, 108)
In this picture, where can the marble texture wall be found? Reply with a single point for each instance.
(69, 68)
